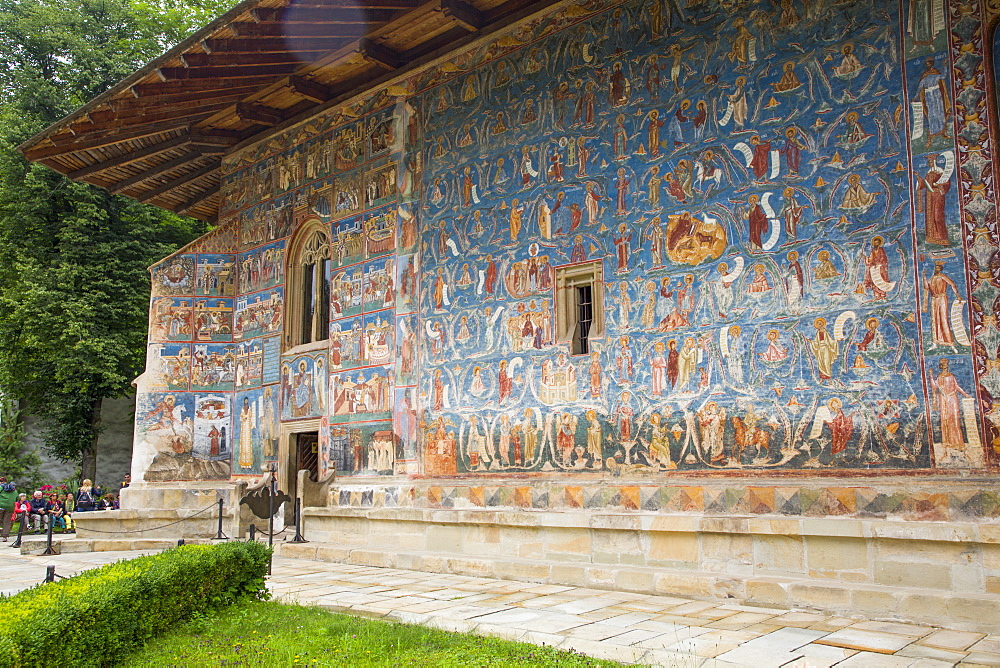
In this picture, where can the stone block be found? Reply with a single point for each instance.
(525, 572)
(683, 584)
(601, 578)
(298, 550)
(573, 576)
(980, 610)
(833, 526)
(480, 568)
(443, 538)
(371, 558)
(112, 545)
(726, 553)
(633, 579)
(820, 596)
(767, 593)
(923, 607)
(728, 588)
(778, 554)
(760, 525)
(906, 574)
(613, 547)
(992, 584)
(567, 544)
(935, 552)
(830, 557)
(673, 548)
(332, 554)
(724, 525)
(874, 602)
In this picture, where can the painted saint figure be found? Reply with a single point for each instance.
(824, 348)
(932, 96)
(937, 288)
(931, 195)
(841, 427)
(877, 271)
(949, 406)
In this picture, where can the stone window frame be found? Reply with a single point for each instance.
(568, 278)
(311, 245)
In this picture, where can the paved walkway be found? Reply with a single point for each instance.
(632, 628)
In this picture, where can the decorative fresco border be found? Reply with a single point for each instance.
(977, 202)
(928, 502)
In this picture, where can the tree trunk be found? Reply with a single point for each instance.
(88, 463)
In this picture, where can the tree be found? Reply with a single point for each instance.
(18, 463)
(74, 289)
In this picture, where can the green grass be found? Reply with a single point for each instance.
(275, 634)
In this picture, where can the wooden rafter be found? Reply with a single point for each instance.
(157, 135)
(258, 113)
(197, 199)
(153, 172)
(174, 184)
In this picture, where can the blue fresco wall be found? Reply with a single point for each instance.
(774, 195)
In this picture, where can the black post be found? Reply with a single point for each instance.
(253, 532)
(20, 530)
(180, 541)
(48, 538)
(220, 535)
(50, 574)
(298, 523)
(270, 518)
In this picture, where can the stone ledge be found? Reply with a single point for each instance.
(963, 611)
(839, 527)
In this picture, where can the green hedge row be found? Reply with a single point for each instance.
(100, 615)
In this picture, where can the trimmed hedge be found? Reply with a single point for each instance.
(100, 615)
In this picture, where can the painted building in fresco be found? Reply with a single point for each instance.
(786, 207)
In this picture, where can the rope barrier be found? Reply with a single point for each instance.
(183, 519)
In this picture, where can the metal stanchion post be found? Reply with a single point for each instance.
(270, 518)
(48, 539)
(253, 532)
(180, 541)
(50, 574)
(220, 535)
(298, 523)
(20, 530)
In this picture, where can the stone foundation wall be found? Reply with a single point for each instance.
(888, 566)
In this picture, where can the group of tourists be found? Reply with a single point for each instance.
(45, 506)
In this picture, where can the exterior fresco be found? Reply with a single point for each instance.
(790, 208)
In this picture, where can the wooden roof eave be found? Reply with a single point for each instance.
(123, 85)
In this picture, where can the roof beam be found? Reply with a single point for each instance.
(180, 101)
(138, 119)
(177, 183)
(233, 72)
(127, 158)
(150, 89)
(196, 200)
(463, 14)
(379, 55)
(229, 59)
(265, 45)
(153, 172)
(258, 113)
(309, 89)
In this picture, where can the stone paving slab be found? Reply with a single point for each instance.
(631, 628)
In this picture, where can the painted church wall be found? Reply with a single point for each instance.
(790, 208)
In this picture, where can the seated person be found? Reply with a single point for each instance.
(57, 512)
(38, 512)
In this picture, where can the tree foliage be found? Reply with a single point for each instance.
(74, 288)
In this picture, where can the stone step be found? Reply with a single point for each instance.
(36, 546)
(849, 599)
